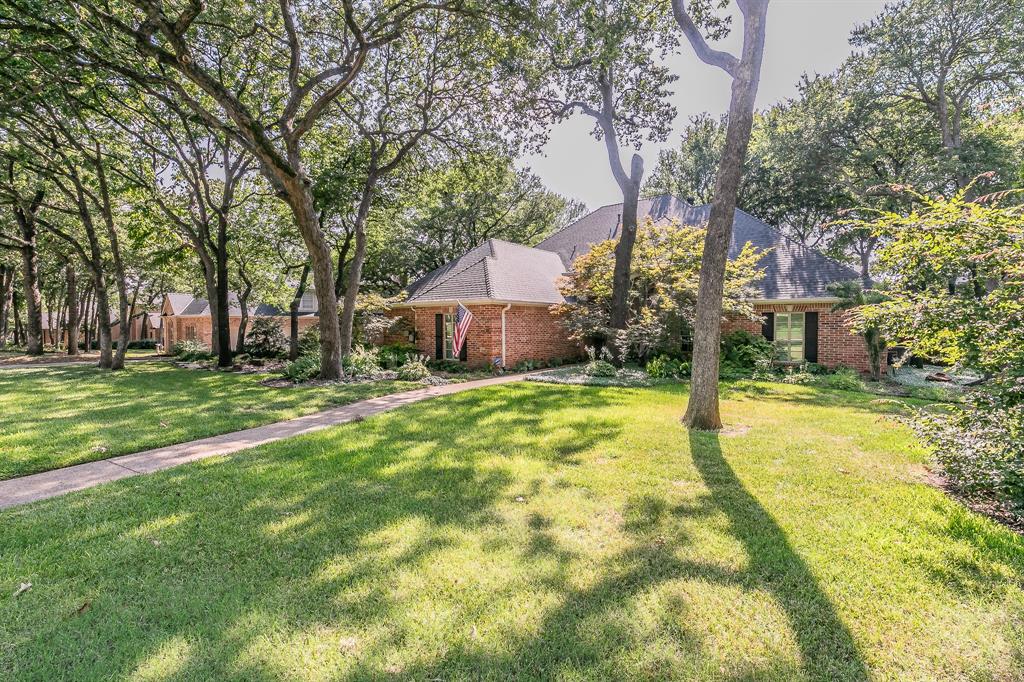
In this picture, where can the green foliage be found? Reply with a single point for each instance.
(666, 367)
(395, 355)
(265, 338)
(142, 344)
(363, 363)
(665, 272)
(191, 351)
(852, 297)
(448, 366)
(413, 371)
(844, 378)
(304, 368)
(309, 340)
(744, 349)
(600, 368)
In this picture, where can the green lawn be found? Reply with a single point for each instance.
(526, 531)
(56, 417)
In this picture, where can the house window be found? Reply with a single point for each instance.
(190, 332)
(308, 301)
(449, 336)
(789, 336)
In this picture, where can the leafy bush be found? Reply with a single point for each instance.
(555, 362)
(665, 367)
(309, 340)
(143, 344)
(845, 379)
(265, 339)
(798, 375)
(413, 371)
(303, 368)
(395, 355)
(980, 445)
(745, 349)
(192, 351)
(600, 368)
(529, 365)
(363, 363)
(730, 370)
(449, 366)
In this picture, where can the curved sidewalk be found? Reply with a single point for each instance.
(48, 484)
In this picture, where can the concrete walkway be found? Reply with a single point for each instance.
(48, 484)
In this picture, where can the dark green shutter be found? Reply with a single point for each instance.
(439, 336)
(768, 327)
(811, 337)
(464, 351)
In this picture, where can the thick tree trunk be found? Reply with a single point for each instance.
(301, 202)
(702, 411)
(30, 278)
(293, 314)
(72, 319)
(103, 325)
(243, 322)
(355, 270)
(223, 329)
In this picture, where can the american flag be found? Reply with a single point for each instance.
(462, 319)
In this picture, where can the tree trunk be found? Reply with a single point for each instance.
(243, 322)
(30, 278)
(355, 270)
(293, 314)
(702, 411)
(624, 248)
(323, 279)
(103, 325)
(72, 320)
(6, 288)
(223, 328)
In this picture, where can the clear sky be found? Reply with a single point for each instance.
(803, 36)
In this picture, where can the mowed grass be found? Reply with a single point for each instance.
(56, 417)
(526, 532)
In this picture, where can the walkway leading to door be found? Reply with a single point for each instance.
(48, 484)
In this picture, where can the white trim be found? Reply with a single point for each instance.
(480, 301)
(794, 301)
(503, 311)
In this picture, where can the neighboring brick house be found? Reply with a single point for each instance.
(510, 289)
(185, 317)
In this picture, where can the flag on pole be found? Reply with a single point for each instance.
(462, 319)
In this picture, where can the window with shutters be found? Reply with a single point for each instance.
(789, 336)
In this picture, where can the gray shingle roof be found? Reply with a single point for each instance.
(495, 270)
(187, 304)
(791, 270)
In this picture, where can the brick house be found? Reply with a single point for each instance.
(185, 317)
(510, 289)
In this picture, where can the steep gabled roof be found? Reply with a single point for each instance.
(791, 270)
(187, 304)
(495, 270)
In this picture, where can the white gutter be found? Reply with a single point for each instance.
(793, 301)
(503, 311)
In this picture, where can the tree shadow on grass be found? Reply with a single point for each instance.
(827, 647)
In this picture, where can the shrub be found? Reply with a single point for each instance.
(395, 355)
(449, 366)
(413, 371)
(363, 363)
(665, 367)
(143, 344)
(799, 375)
(304, 368)
(265, 338)
(845, 379)
(555, 362)
(600, 368)
(192, 351)
(309, 340)
(730, 370)
(745, 349)
(980, 445)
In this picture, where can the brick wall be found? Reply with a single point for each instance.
(531, 333)
(837, 345)
(176, 328)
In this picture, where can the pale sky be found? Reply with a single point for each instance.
(802, 36)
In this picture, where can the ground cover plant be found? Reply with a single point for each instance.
(61, 416)
(527, 532)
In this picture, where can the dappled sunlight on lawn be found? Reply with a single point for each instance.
(57, 417)
(523, 531)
